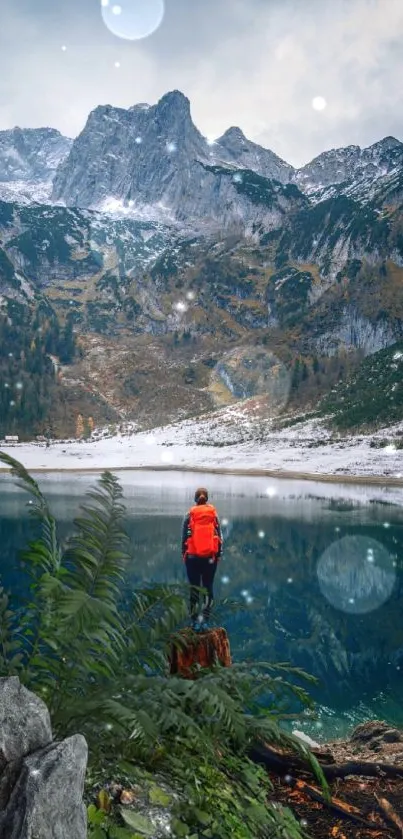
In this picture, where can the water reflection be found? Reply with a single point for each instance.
(276, 559)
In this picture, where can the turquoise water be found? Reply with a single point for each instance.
(316, 571)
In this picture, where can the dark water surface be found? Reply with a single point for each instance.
(317, 571)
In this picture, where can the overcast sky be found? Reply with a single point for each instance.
(258, 64)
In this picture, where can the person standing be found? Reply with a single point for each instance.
(202, 546)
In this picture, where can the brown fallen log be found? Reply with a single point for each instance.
(390, 813)
(284, 763)
(342, 808)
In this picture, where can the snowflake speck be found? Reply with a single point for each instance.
(249, 599)
(225, 580)
(19, 386)
(245, 592)
(261, 534)
(105, 3)
(64, 48)
(224, 522)
(180, 306)
(116, 10)
(319, 103)
(237, 178)
(117, 64)
(289, 580)
(12, 403)
(190, 295)
(271, 492)
(138, 140)
(171, 147)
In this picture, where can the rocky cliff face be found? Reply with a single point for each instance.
(29, 158)
(154, 161)
(235, 149)
(345, 165)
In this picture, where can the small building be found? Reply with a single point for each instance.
(11, 438)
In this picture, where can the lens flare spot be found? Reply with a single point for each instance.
(356, 574)
(133, 20)
(251, 372)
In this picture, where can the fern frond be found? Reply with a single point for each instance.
(44, 553)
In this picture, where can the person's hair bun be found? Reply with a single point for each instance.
(200, 494)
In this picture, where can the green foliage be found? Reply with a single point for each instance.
(288, 294)
(372, 396)
(27, 376)
(97, 654)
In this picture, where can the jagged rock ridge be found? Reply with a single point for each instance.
(29, 158)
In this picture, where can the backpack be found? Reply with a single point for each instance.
(204, 540)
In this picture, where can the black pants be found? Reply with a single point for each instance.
(201, 572)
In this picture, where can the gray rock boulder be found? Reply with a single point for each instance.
(41, 782)
(24, 721)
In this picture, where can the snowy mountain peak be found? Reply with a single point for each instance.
(232, 134)
(174, 100)
(387, 144)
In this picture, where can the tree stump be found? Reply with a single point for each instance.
(204, 649)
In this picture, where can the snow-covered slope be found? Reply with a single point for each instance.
(227, 440)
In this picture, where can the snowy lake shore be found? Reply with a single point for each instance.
(229, 442)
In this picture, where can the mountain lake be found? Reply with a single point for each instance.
(312, 574)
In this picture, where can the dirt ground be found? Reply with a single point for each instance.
(378, 801)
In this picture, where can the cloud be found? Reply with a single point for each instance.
(253, 63)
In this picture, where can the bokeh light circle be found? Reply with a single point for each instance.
(132, 19)
(356, 574)
(247, 372)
